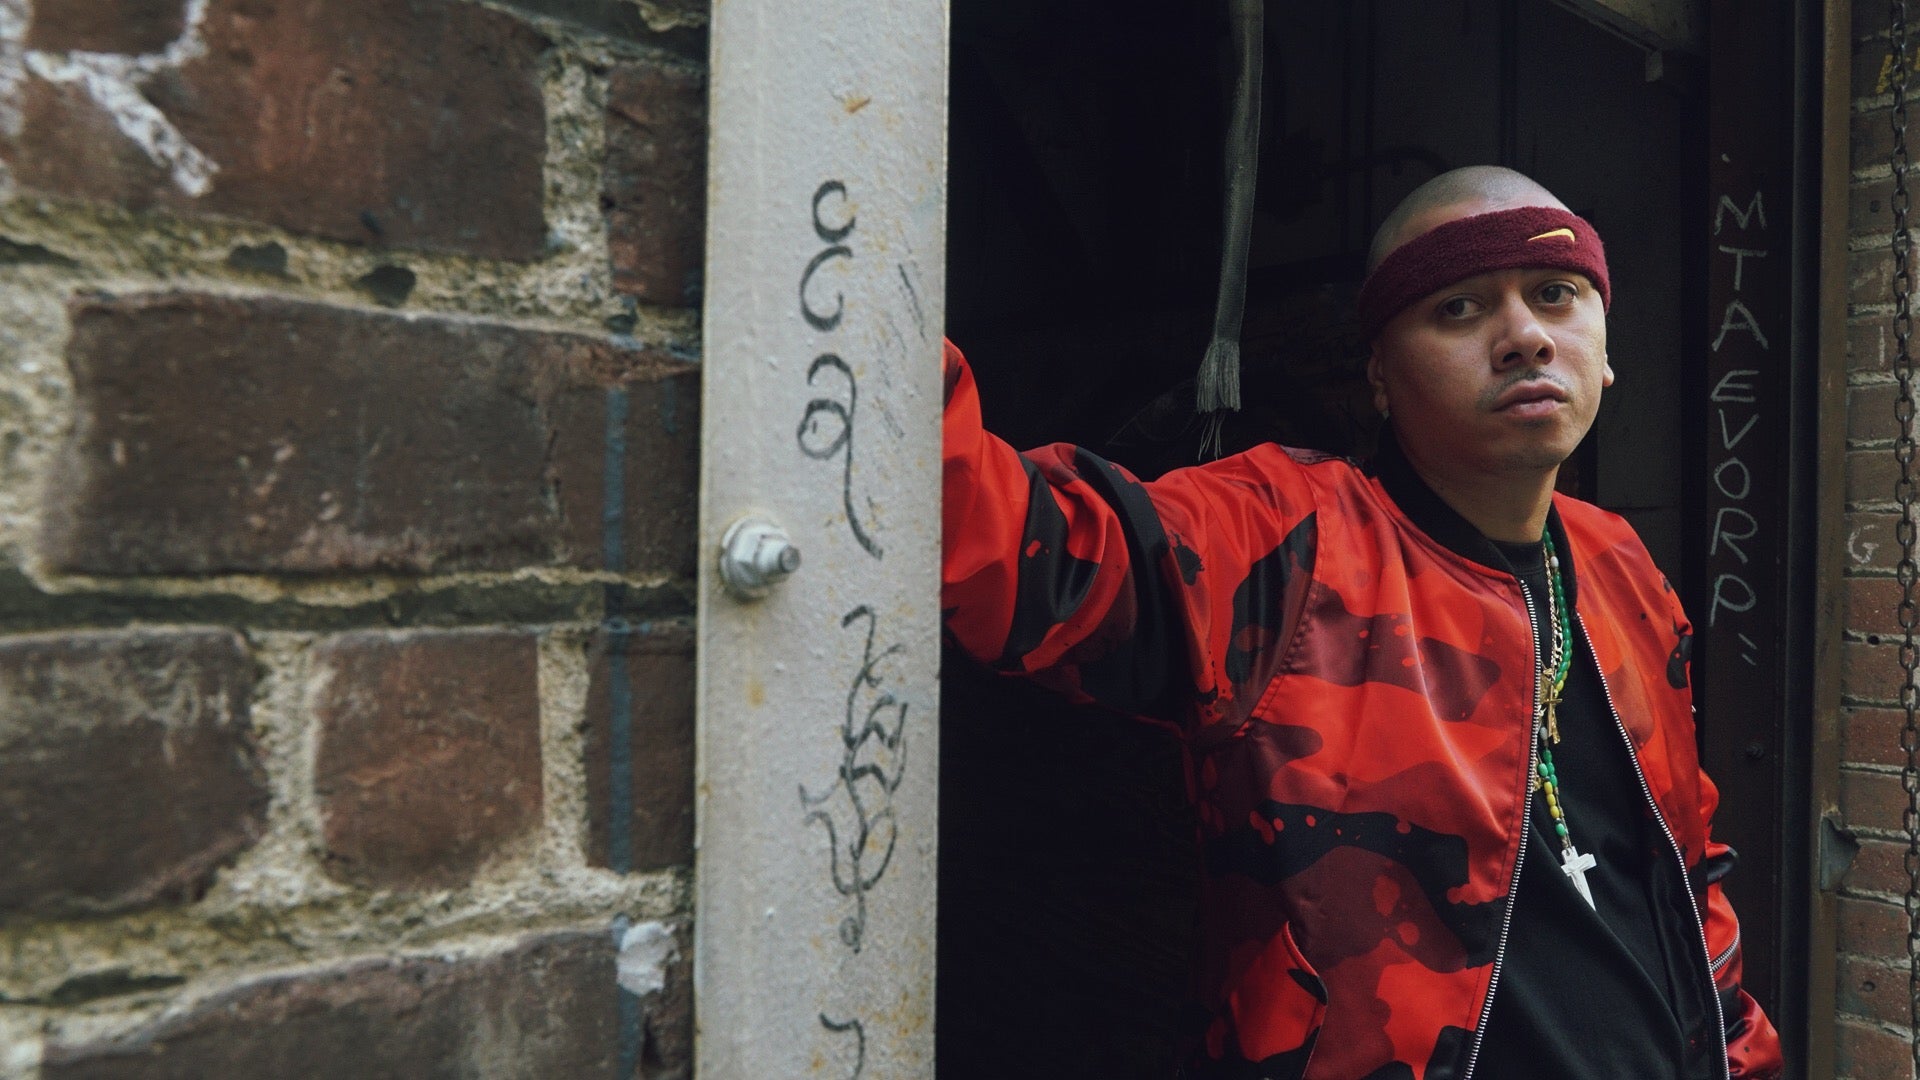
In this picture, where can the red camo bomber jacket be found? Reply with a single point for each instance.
(1354, 697)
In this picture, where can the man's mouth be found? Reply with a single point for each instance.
(1535, 397)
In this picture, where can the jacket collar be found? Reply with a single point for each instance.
(1431, 514)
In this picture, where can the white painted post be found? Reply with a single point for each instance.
(818, 745)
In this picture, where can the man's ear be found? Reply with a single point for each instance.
(1378, 383)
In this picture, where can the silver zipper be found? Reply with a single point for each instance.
(1727, 953)
(1520, 856)
(1706, 950)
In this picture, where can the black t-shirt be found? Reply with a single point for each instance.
(1616, 990)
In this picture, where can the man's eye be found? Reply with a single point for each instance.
(1458, 307)
(1557, 292)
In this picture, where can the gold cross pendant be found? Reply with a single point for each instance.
(1549, 703)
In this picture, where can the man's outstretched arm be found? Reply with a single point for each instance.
(1064, 567)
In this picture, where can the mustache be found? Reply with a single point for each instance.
(1545, 378)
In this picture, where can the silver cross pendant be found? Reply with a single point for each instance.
(1575, 864)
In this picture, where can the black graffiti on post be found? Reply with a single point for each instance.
(830, 233)
(831, 236)
(830, 417)
(861, 830)
(815, 319)
(826, 428)
(856, 809)
(859, 1031)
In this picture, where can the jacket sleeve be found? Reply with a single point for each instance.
(1152, 599)
(1753, 1046)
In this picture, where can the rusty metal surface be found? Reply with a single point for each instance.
(1753, 469)
(1830, 406)
(1740, 614)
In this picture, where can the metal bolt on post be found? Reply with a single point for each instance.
(756, 555)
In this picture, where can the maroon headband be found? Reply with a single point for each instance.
(1526, 237)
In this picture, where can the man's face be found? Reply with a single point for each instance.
(1496, 375)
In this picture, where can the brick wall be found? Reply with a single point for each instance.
(1871, 1036)
(348, 428)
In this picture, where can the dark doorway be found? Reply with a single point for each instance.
(1083, 252)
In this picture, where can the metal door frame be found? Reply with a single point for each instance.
(1768, 607)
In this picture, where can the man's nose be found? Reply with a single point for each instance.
(1523, 339)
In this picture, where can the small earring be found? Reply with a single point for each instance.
(1386, 413)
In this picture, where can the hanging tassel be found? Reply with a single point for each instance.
(1217, 387)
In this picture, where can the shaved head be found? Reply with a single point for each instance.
(1475, 189)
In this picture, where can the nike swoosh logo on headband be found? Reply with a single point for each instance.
(1565, 234)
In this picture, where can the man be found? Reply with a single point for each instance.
(1437, 718)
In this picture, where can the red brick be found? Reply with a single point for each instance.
(1870, 19)
(1873, 73)
(223, 434)
(1880, 868)
(1870, 541)
(1870, 800)
(658, 702)
(1866, 1053)
(1870, 671)
(666, 1013)
(1870, 476)
(656, 181)
(129, 27)
(1870, 276)
(1871, 735)
(429, 753)
(547, 1007)
(1871, 928)
(128, 773)
(1870, 413)
(1870, 345)
(693, 12)
(418, 124)
(1871, 141)
(1872, 603)
(1870, 208)
(1872, 990)
(674, 26)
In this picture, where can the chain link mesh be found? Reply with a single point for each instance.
(1904, 495)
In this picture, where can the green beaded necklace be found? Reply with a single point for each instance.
(1553, 681)
(1553, 674)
